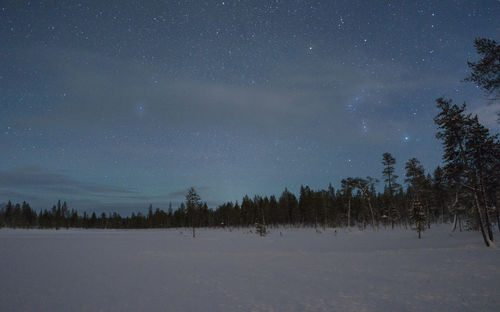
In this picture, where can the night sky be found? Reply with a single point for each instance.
(112, 105)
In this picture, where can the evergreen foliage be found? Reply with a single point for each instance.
(471, 157)
(486, 72)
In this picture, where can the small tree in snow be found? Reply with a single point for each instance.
(193, 204)
(417, 215)
(260, 229)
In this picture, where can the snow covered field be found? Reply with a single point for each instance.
(167, 270)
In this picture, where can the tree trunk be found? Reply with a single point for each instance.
(498, 218)
(486, 239)
(263, 219)
(371, 212)
(324, 223)
(349, 213)
(486, 214)
(454, 226)
(442, 213)
(488, 224)
(428, 216)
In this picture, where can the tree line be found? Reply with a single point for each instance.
(465, 191)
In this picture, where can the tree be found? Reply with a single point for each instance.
(439, 190)
(417, 215)
(390, 178)
(471, 156)
(486, 72)
(150, 216)
(365, 185)
(93, 220)
(288, 205)
(305, 201)
(418, 188)
(347, 185)
(415, 176)
(193, 204)
(482, 151)
(9, 213)
(388, 173)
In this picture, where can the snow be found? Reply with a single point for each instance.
(222, 270)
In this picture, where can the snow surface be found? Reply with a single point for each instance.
(222, 270)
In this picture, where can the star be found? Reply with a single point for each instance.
(156, 79)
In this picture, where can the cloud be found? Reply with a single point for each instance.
(101, 90)
(35, 179)
(41, 188)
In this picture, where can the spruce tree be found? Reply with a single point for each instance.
(418, 216)
(415, 176)
(193, 204)
(390, 178)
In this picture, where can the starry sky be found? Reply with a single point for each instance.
(112, 105)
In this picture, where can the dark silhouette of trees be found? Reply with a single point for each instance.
(440, 192)
(465, 188)
(471, 160)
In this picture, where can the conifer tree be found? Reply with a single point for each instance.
(415, 176)
(193, 204)
(365, 185)
(471, 156)
(390, 178)
(439, 191)
(418, 216)
(347, 185)
(486, 72)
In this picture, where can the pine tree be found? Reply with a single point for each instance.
(415, 176)
(390, 178)
(486, 72)
(471, 156)
(388, 173)
(9, 212)
(193, 204)
(347, 186)
(483, 151)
